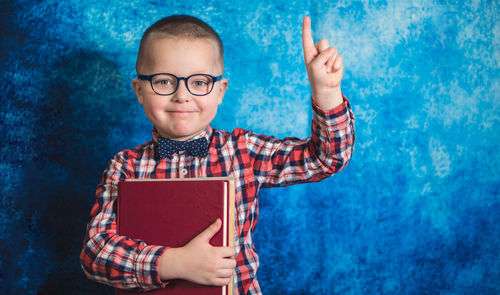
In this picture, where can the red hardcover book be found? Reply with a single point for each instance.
(170, 212)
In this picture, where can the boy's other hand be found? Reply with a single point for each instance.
(324, 68)
(200, 262)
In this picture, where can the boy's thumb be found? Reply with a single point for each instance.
(212, 229)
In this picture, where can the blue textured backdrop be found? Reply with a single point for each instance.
(417, 211)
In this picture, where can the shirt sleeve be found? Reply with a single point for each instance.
(112, 259)
(292, 160)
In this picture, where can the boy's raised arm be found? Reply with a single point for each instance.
(324, 69)
(329, 149)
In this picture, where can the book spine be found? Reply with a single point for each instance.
(118, 215)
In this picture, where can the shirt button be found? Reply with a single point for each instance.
(184, 171)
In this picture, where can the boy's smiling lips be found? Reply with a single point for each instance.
(180, 111)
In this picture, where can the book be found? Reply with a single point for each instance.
(171, 212)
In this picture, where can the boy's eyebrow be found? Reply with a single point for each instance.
(212, 73)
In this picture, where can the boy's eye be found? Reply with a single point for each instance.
(163, 82)
(199, 83)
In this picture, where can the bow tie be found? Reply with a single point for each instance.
(197, 147)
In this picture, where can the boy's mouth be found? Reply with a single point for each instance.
(181, 112)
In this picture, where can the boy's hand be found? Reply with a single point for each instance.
(324, 69)
(198, 261)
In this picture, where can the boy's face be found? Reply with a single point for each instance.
(182, 115)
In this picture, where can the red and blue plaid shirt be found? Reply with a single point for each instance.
(255, 161)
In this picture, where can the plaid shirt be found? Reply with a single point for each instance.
(255, 161)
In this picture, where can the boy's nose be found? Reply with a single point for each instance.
(182, 94)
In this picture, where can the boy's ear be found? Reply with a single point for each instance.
(136, 85)
(222, 89)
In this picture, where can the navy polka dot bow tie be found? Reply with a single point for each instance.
(197, 147)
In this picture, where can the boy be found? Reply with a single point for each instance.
(180, 66)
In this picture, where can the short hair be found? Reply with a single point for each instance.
(184, 26)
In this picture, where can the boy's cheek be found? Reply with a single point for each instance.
(155, 103)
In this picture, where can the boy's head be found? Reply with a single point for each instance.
(180, 46)
(183, 27)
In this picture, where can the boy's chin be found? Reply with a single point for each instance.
(180, 136)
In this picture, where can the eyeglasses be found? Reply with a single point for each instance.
(166, 84)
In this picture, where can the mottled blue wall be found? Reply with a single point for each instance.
(417, 211)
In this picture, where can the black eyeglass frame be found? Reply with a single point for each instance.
(150, 79)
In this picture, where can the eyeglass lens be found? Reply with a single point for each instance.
(167, 84)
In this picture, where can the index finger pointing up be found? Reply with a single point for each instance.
(310, 50)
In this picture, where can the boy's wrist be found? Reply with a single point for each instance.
(169, 265)
(329, 99)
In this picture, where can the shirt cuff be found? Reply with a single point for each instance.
(335, 118)
(146, 267)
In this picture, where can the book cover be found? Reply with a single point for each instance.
(170, 212)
